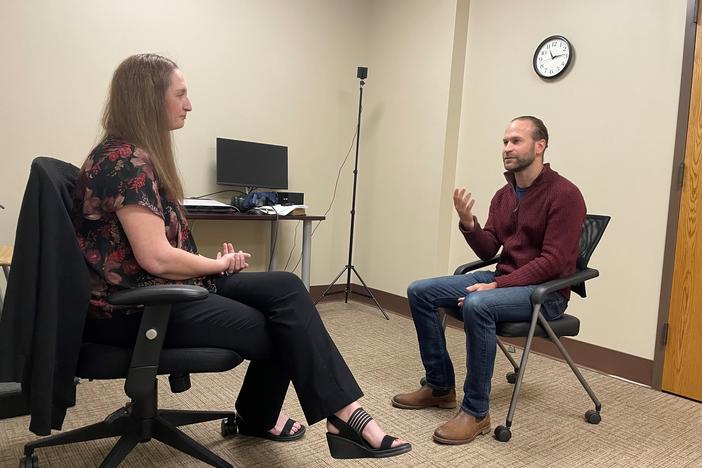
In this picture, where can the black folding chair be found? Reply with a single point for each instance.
(567, 325)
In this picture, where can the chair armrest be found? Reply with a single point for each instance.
(157, 301)
(544, 289)
(463, 269)
(158, 294)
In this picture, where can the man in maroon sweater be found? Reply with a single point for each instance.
(536, 219)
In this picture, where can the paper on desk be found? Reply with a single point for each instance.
(203, 202)
(281, 210)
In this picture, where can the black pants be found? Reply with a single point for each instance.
(269, 319)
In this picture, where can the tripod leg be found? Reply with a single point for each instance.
(369, 292)
(330, 285)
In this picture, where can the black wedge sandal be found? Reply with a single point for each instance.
(349, 443)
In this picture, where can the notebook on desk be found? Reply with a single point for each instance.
(205, 204)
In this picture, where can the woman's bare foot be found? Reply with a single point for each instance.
(278, 428)
(372, 433)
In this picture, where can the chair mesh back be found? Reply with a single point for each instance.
(590, 236)
(593, 228)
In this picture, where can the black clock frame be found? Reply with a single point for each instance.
(567, 65)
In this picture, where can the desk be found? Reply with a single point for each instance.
(306, 232)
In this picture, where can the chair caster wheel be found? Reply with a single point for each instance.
(502, 433)
(423, 381)
(511, 377)
(228, 427)
(29, 462)
(593, 416)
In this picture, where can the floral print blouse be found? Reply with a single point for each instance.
(114, 175)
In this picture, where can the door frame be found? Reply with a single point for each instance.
(675, 190)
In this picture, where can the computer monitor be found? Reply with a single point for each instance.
(253, 165)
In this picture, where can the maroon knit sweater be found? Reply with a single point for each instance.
(539, 235)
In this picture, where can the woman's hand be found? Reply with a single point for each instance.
(232, 261)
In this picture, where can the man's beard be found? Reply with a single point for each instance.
(522, 164)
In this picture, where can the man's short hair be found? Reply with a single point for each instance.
(540, 131)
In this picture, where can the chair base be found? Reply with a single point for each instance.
(132, 430)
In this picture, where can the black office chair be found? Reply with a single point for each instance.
(567, 325)
(140, 420)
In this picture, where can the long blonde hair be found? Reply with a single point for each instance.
(136, 112)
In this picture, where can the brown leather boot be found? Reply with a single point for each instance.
(424, 398)
(461, 429)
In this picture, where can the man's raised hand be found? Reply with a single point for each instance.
(463, 202)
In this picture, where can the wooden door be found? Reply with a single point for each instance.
(682, 372)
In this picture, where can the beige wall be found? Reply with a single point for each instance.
(612, 124)
(271, 71)
(403, 142)
(444, 79)
(612, 120)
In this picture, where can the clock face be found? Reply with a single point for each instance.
(552, 56)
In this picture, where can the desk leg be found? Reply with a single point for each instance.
(274, 237)
(306, 254)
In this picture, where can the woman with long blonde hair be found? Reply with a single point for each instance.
(133, 232)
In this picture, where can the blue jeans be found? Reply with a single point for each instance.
(480, 312)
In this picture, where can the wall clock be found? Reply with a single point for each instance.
(552, 57)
